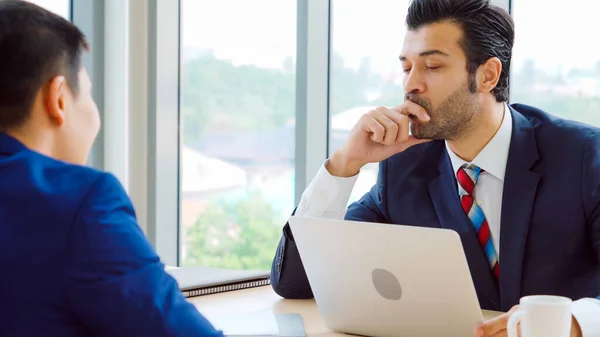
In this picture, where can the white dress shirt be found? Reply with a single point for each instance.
(327, 197)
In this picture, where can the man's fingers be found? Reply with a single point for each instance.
(414, 141)
(391, 128)
(377, 130)
(392, 114)
(399, 147)
(493, 326)
(502, 333)
(401, 121)
(388, 127)
(409, 108)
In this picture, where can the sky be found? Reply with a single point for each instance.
(556, 34)
(61, 7)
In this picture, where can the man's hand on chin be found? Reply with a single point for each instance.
(496, 327)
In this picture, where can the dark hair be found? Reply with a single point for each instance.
(35, 46)
(488, 32)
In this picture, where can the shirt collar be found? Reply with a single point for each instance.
(494, 155)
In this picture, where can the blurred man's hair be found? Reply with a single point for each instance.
(35, 46)
(488, 32)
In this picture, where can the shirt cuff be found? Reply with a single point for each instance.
(587, 313)
(326, 196)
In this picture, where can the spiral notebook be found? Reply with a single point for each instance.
(199, 281)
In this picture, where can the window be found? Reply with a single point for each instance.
(366, 40)
(556, 67)
(60, 7)
(238, 130)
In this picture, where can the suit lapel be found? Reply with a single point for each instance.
(443, 191)
(520, 186)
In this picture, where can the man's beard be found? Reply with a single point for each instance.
(451, 120)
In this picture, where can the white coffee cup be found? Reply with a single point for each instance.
(542, 316)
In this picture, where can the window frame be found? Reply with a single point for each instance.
(164, 145)
(163, 129)
(162, 207)
(312, 90)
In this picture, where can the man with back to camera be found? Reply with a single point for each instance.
(75, 262)
(529, 181)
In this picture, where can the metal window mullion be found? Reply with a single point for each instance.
(312, 90)
(163, 128)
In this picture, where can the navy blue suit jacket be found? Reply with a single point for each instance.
(74, 260)
(550, 218)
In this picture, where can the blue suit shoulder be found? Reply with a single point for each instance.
(66, 177)
(57, 189)
(559, 140)
(548, 125)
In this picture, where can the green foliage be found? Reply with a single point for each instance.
(220, 96)
(217, 95)
(581, 108)
(240, 234)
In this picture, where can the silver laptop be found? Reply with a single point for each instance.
(388, 280)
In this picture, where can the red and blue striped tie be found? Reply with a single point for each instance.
(467, 177)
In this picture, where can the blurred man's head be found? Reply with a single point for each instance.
(45, 93)
(456, 60)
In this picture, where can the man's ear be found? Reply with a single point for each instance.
(488, 75)
(56, 99)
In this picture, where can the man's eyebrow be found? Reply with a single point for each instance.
(427, 53)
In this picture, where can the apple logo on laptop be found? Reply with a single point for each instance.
(386, 284)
